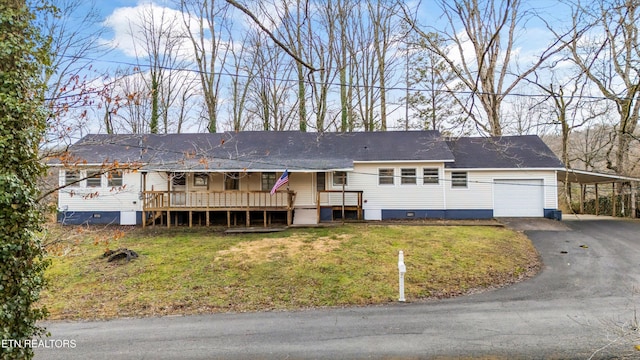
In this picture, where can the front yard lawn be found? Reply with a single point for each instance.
(189, 271)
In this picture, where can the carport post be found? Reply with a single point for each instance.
(597, 201)
(633, 199)
(613, 199)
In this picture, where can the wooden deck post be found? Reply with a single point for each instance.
(318, 207)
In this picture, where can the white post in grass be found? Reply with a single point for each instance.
(401, 269)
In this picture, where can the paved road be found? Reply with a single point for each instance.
(581, 305)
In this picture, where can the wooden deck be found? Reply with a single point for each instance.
(167, 206)
(239, 208)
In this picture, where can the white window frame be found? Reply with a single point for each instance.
(94, 175)
(115, 176)
(386, 177)
(72, 181)
(408, 179)
(337, 175)
(433, 180)
(456, 183)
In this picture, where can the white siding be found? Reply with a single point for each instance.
(479, 191)
(397, 196)
(104, 198)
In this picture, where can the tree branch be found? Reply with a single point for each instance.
(271, 35)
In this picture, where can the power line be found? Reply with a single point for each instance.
(308, 81)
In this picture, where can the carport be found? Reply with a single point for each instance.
(615, 188)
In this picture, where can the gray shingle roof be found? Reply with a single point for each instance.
(527, 151)
(261, 150)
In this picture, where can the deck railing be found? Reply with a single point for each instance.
(350, 200)
(230, 200)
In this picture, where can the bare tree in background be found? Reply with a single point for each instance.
(339, 17)
(292, 21)
(569, 105)
(387, 34)
(75, 34)
(323, 52)
(491, 29)
(206, 22)
(126, 104)
(244, 67)
(272, 98)
(161, 37)
(365, 70)
(608, 53)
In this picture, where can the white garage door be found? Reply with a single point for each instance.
(518, 198)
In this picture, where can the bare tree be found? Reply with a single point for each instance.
(159, 37)
(569, 105)
(491, 29)
(127, 103)
(337, 20)
(608, 52)
(387, 35)
(365, 72)
(272, 98)
(244, 67)
(71, 80)
(206, 24)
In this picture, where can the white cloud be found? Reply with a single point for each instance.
(129, 23)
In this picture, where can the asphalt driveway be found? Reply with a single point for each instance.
(582, 305)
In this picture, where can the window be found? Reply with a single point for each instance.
(71, 178)
(94, 178)
(178, 179)
(200, 179)
(268, 180)
(232, 181)
(340, 178)
(114, 178)
(385, 176)
(408, 176)
(430, 176)
(459, 179)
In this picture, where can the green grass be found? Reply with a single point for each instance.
(182, 271)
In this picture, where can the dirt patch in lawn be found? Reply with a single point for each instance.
(264, 250)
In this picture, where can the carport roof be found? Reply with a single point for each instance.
(588, 177)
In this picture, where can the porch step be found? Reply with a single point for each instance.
(305, 217)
